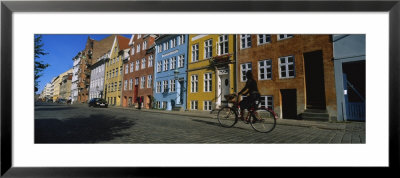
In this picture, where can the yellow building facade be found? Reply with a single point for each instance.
(113, 72)
(211, 71)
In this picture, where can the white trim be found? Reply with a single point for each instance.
(198, 37)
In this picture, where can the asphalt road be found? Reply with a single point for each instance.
(58, 123)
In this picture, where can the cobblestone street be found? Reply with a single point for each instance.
(80, 124)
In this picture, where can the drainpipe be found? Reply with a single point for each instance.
(235, 64)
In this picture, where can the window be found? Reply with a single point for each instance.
(245, 41)
(112, 74)
(181, 39)
(173, 62)
(125, 84)
(243, 69)
(126, 68)
(120, 71)
(181, 60)
(208, 49)
(172, 87)
(207, 106)
(173, 43)
(193, 105)
(138, 48)
(195, 52)
(131, 70)
(159, 66)
(150, 61)
(165, 86)
(130, 84)
(115, 86)
(263, 39)
(143, 63)
(119, 86)
(133, 51)
(165, 66)
(286, 67)
(267, 102)
(159, 48)
(149, 81)
(144, 45)
(284, 36)
(194, 83)
(116, 72)
(207, 82)
(265, 69)
(142, 81)
(136, 81)
(158, 87)
(223, 45)
(137, 65)
(166, 45)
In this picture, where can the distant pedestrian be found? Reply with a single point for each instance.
(139, 100)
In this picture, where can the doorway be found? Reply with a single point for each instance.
(314, 76)
(223, 87)
(289, 103)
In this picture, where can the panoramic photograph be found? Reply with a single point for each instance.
(200, 88)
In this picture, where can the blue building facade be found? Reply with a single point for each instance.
(170, 72)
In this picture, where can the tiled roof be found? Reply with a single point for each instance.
(123, 42)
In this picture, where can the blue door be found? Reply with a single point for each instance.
(355, 110)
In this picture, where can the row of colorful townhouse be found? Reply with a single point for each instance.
(297, 75)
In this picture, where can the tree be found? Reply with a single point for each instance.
(39, 65)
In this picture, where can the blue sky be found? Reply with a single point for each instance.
(62, 48)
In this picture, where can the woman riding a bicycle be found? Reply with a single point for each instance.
(252, 93)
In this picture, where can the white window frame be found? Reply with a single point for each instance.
(195, 52)
(165, 86)
(150, 61)
(125, 84)
(159, 48)
(194, 105)
(245, 39)
(173, 63)
(284, 36)
(165, 66)
(267, 69)
(181, 61)
(158, 87)
(207, 105)
(144, 45)
(262, 39)
(286, 64)
(223, 44)
(172, 86)
(173, 43)
(143, 63)
(137, 65)
(166, 45)
(142, 81)
(181, 39)
(208, 49)
(126, 68)
(243, 70)
(159, 65)
(131, 69)
(265, 100)
(207, 82)
(133, 51)
(136, 81)
(149, 81)
(138, 48)
(130, 84)
(194, 87)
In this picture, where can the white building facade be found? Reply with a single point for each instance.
(75, 77)
(96, 89)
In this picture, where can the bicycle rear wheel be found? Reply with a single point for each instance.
(227, 117)
(263, 120)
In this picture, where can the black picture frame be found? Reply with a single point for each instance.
(8, 7)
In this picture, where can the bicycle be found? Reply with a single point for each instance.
(261, 119)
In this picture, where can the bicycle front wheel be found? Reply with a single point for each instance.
(263, 120)
(227, 117)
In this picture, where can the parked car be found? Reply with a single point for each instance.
(61, 101)
(98, 102)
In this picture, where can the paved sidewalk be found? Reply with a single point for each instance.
(348, 126)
